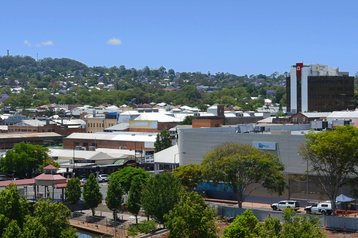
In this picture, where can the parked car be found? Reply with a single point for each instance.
(83, 180)
(279, 206)
(324, 208)
(102, 178)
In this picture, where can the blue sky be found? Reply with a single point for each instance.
(235, 36)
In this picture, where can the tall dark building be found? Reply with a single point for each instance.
(318, 88)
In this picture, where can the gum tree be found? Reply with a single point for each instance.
(243, 165)
(333, 156)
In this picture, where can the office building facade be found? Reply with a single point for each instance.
(318, 88)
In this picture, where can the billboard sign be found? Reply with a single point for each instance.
(264, 145)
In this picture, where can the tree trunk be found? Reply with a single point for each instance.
(114, 215)
(240, 198)
(136, 219)
(93, 211)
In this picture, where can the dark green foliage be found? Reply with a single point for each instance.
(24, 160)
(69, 232)
(12, 230)
(162, 141)
(48, 219)
(13, 207)
(243, 226)
(114, 195)
(125, 176)
(134, 197)
(53, 216)
(73, 190)
(91, 193)
(3, 223)
(191, 218)
(243, 165)
(34, 228)
(160, 195)
(188, 120)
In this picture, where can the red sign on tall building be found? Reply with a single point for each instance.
(299, 67)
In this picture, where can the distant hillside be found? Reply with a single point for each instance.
(70, 81)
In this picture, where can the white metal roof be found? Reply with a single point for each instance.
(120, 136)
(343, 115)
(316, 114)
(169, 155)
(160, 117)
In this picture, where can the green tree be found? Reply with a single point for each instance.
(333, 156)
(53, 216)
(162, 141)
(3, 223)
(134, 197)
(243, 165)
(12, 230)
(269, 228)
(247, 225)
(189, 175)
(114, 195)
(300, 226)
(127, 174)
(13, 207)
(160, 195)
(188, 120)
(69, 232)
(191, 218)
(91, 193)
(24, 160)
(243, 226)
(73, 190)
(33, 228)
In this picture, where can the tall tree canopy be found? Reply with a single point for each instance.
(191, 218)
(162, 141)
(160, 195)
(125, 176)
(242, 166)
(73, 190)
(333, 157)
(189, 175)
(13, 207)
(134, 196)
(114, 195)
(91, 193)
(24, 160)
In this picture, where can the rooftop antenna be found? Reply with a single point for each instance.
(8, 52)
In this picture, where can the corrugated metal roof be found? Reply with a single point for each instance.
(120, 136)
(28, 135)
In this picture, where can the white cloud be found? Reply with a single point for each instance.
(41, 44)
(47, 43)
(114, 41)
(27, 43)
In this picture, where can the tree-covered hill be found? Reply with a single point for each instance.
(68, 81)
